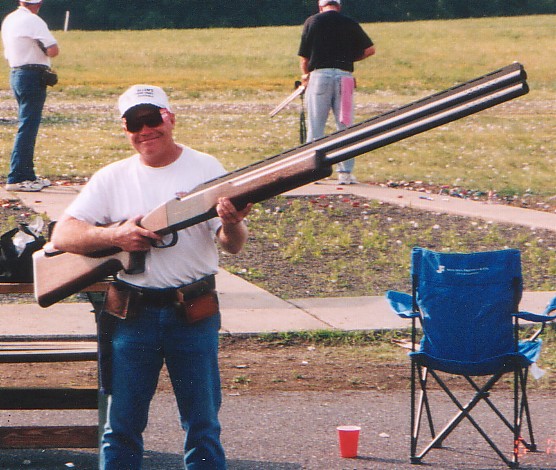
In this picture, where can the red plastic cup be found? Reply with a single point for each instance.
(348, 437)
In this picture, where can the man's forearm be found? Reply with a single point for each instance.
(232, 237)
(79, 237)
(304, 65)
(75, 236)
(366, 53)
(52, 51)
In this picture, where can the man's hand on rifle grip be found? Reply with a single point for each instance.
(130, 236)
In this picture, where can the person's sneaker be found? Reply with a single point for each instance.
(346, 178)
(25, 186)
(352, 179)
(343, 178)
(44, 181)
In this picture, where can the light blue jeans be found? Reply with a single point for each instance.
(30, 94)
(322, 95)
(140, 347)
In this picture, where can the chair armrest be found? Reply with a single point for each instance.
(534, 317)
(551, 307)
(401, 303)
(540, 317)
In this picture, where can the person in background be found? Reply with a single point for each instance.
(169, 312)
(28, 47)
(330, 44)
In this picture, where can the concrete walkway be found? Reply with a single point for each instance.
(249, 309)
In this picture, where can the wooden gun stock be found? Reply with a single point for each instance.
(58, 275)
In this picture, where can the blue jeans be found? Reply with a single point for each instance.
(140, 347)
(322, 95)
(30, 94)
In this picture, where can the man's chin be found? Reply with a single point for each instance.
(148, 146)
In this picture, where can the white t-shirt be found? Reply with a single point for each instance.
(128, 188)
(21, 30)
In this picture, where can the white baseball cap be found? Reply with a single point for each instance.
(143, 94)
(31, 1)
(323, 3)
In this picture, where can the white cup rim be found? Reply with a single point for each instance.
(349, 428)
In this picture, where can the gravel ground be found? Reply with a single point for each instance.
(297, 430)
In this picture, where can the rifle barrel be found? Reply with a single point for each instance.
(465, 93)
(299, 166)
(375, 139)
(482, 87)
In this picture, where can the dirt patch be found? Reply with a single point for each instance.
(249, 365)
(254, 366)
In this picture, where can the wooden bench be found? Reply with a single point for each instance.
(51, 349)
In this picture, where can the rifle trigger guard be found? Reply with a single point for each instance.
(171, 243)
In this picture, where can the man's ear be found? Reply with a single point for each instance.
(173, 118)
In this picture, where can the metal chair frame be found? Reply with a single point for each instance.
(419, 382)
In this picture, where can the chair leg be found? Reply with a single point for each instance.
(465, 413)
(524, 374)
(523, 404)
(491, 405)
(522, 407)
(413, 431)
(417, 410)
(517, 421)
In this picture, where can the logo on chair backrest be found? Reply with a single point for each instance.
(461, 271)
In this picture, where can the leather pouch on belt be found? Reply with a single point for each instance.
(198, 307)
(121, 301)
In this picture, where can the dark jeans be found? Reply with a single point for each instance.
(30, 94)
(140, 347)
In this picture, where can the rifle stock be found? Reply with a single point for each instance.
(60, 274)
(275, 175)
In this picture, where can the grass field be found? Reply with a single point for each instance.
(224, 82)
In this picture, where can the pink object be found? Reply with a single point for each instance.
(347, 85)
(348, 437)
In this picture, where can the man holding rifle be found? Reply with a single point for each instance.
(169, 312)
(330, 44)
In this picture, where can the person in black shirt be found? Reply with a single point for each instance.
(330, 44)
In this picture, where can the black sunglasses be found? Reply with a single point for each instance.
(136, 123)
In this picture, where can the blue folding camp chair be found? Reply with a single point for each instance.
(467, 307)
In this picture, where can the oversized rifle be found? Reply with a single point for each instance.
(59, 274)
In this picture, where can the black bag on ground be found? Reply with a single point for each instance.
(16, 267)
